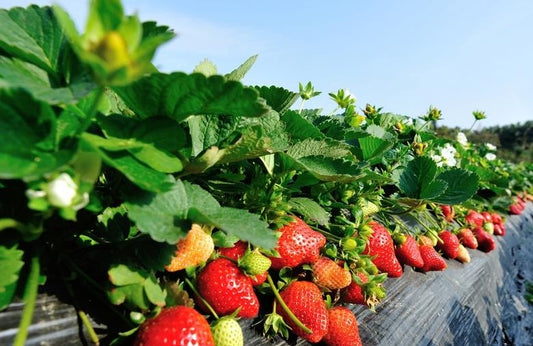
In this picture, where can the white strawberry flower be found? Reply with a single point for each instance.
(461, 138)
(490, 146)
(62, 191)
(490, 156)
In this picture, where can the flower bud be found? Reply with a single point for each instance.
(62, 191)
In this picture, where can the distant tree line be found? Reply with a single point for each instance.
(514, 142)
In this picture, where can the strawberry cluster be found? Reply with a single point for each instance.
(312, 300)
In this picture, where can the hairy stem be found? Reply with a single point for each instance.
(286, 308)
(30, 297)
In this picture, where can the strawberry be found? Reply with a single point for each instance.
(304, 299)
(328, 274)
(298, 244)
(179, 325)
(226, 288)
(448, 244)
(259, 279)
(488, 227)
(448, 212)
(485, 241)
(432, 260)
(235, 252)
(227, 332)
(487, 216)
(467, 238)
(254, 263)
(496, 218)
(408, 253)
(343, 330)
(364, 290)
(192, 250)
(514, 209)
(463, 256)
(474, 219)
(381, 247)
(354, 294)
(499, 229)
(368, 208)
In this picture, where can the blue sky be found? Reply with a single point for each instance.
(404, 56)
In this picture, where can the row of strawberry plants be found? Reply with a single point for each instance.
(161, 194)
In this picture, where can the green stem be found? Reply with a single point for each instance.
(89, 327)
(30, 297)
(11, 223)
(209, 307)
(286, 308)
(92, 110)
(301, 106)
(471, 127)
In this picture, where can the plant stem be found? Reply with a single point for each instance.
(89, 327)
(286, 308)
(92, 110)
(209, 307)
(301, 106)
(471, 127)
(30, 297)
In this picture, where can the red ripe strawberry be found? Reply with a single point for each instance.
(514, 209)
(474, 219)
(304, 299)
(343, 330)
(364, 290)
(485, 241)
(432, 260)
(408, 253)
(487, 216)
(499, 229)
(496, 218)
(259, 279)
(381, 247)
(297, 245)
(354, 292)
(448, 212)
(226, 288)
(328, 274)
(467, 238)
(448, 244)
(179, 325)
(235, 252)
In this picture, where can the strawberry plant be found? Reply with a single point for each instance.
(161, 194)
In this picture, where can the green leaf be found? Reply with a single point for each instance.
(462, 185)
(310, 210)
(32, 35)
(18, 73)
(417, 179)
(110, 150)
(163, 216)
(167, 217)
(156, 295)
(205, 209)
(299, 127)
(280, 99)
(251, 138)
(121, 275)
(179, 96)
(373, 147)
(11, 263)
(240, 72)
(330, 169)
(153, 139)
(326, 147)
(29, 146)
(206, 67)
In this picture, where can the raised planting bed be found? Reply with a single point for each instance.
(478, 303)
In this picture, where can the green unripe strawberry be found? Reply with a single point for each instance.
(368, 207)
(227, 332)
(254, 263)
(488, 227)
